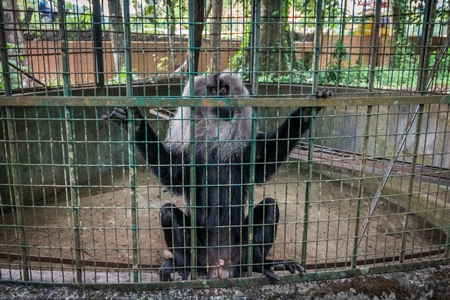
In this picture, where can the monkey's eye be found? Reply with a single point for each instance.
(223, 91)
(213, 90)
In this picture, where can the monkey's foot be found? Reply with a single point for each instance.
(291, 266)
(167, 267)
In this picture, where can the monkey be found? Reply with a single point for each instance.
(223, 155)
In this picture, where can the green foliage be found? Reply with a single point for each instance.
(121, 78)
(14, 75)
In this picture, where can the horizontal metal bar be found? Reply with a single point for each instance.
(249, 281)
(275, 101)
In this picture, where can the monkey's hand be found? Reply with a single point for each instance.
(120, 116)
(290, 266)
(324, 94)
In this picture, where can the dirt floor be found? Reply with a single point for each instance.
(106, 225)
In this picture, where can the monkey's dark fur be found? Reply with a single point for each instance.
(222, 136)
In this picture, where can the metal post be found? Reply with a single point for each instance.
(317, 45)
(422, 76)
(411, 182)
(64, 48)
(98, 47)
(193, 146)
(255, 38)
(374, 47)
(4, 54)
(131, 142)
(17, 201)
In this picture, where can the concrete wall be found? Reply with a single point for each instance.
(41, 143)
(386, 127)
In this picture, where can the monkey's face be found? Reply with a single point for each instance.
(219, 86)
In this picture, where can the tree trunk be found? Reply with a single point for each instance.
(275, 42)
(216, 19)
(14, 35)
(117, 34)
(427, 52)
(199, 19)
(170, 11)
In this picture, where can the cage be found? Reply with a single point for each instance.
(360, 177)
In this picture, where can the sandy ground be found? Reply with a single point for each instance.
(106, 221)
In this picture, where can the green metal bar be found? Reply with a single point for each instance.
(98, 47)
(317, 49)
(74, 191)
(127, 43)
(18, 203)
(133, 203)
(131, 145)
(211, 102)
(423, 69)
(6, 73)
(362, 173)
(372, 66)
(447, 243)
(308, 185)
(374, 46)
(193, 146)
(73, 177)
(255, 45)
(251, 198)
(412, 175)
(317, 45)
(260, 280)
(64, 47)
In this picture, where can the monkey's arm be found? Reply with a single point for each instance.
(273, 148)
(163, 165)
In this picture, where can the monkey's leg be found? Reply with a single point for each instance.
(266, 216)
(177, 236)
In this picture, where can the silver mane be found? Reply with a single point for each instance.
(212, 133)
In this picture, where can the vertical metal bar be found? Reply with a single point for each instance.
(255, 44)
(362, 173)
(18, 203)
(317, 48)
(193, 146)
(255, 39)
(74, 192)
(131, 144)
(64, 47)
(317, 45)
(133, 202)
(421, 79)
(411, 183)
(127, 43)
(4, 54)
(374, 46)
(98, 47)
(308, 186)
(372, 67)
(447, 243)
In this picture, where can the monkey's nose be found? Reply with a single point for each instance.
(225, 112)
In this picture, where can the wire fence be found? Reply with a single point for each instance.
(365, 189)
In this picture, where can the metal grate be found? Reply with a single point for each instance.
(365, 190)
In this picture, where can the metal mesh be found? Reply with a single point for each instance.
(365, 190)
